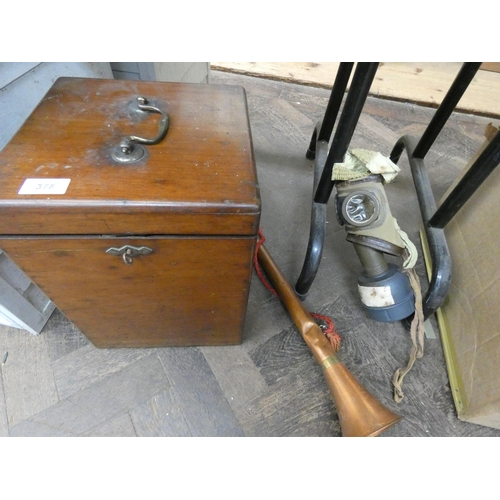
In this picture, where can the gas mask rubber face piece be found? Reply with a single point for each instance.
(363, 209)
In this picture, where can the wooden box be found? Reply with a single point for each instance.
(140, 238)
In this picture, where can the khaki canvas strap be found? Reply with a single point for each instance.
(417, 336)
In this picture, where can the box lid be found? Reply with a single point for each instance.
(62, 173)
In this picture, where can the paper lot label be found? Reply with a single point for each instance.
(44, 186)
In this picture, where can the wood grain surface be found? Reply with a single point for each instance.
(188, 291)
(423, 83)
(199, 179)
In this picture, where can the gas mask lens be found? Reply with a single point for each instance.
(360, 209)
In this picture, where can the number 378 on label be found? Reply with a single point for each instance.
(44, 186)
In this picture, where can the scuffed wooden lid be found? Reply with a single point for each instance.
(200, 179)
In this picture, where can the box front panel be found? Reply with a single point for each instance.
(186, 291)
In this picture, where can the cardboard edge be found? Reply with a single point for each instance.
(456, 381)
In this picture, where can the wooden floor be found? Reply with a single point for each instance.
(58, 384)
(423, 83)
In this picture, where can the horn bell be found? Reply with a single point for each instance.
(359, 413)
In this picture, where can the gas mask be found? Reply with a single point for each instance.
(363, 209)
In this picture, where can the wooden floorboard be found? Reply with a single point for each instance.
(87, 366)
(233, 368)
(59, 384)
(27, 375)
(160, 416)
(423, 83)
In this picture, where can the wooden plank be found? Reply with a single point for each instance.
(28, 428)
(160, 416)
(371, 129)
(198, 393)
(295, 407)
(27, 375)
(88, 410)
(427, 83)
(297, 401)
(321, 74)
(238, 377)
(491, 66)
(62, 336)
(420, 82)
(118, 427)
(125, 389)
(88, 365)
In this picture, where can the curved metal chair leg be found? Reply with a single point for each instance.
(317, 229)
(325, 159)
(438, 247)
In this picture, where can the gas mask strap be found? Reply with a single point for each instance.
(410, 249)
(416, 332)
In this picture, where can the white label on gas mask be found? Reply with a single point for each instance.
(376, 296)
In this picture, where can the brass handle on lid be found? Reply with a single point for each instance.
(129, 150)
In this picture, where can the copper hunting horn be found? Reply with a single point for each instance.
(360, 414)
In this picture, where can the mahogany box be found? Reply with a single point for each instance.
(135, 207)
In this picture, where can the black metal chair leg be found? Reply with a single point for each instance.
(356, 97)
(332, 109)
(447, 106)
(438, 248)
(355, 100)
(478, 172)
(435, 219)
(317, 228)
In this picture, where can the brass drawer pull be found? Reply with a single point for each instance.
(129, 150)
(128, 252)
